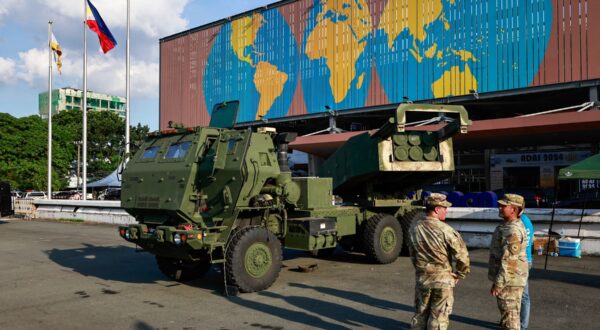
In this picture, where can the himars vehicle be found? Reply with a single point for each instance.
(218, 195)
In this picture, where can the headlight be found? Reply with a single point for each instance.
(177, 239)
(127, 234)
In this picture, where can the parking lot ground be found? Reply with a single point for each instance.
(56, 275)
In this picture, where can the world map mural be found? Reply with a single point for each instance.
(343, 49)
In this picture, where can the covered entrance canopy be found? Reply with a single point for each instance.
(556, 128)
(588, 168)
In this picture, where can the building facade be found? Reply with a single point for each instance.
(303, 57)
(298, 64)
(72, 99)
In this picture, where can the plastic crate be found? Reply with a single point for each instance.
(570, 248)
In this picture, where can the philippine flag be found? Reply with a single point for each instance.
(95, 22)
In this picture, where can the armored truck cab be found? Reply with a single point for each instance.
(218, 195)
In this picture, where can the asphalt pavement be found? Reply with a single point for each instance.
(65, 275)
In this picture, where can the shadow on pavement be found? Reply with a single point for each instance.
(352, 317)
(119, 263)
(592, 281)
(357, 297)
(341, 255)
(385, 304)
(474, 322)
(588, 280)
(116, 263)
(305, 319)
(141, 325)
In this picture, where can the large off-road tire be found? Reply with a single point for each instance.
(253, 259)
(406, 221)
(179, 270)
(382, 237)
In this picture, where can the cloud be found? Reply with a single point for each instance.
(6, 7)
(155, 19)
(7, 70)
(32, 65)
(105, 73)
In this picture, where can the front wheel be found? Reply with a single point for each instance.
(254, 258)
(180, 270)
(382, 237)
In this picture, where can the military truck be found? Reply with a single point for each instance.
(219, 195)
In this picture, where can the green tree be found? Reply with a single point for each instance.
(23, 153)
(23, 147)
(137, 135)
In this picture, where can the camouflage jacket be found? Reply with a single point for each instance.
(433, 247)
(508, 255)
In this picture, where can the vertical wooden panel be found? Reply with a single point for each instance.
(576, 69)
(593, 41)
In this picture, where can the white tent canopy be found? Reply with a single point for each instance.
(111, 180)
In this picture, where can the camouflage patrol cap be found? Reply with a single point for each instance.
(436, 199)
(513, 199)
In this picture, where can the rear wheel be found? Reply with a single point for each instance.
(180, 270)
(254, 258)
(406, 221)
(382, 236)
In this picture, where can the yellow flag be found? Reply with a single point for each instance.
(57, 52)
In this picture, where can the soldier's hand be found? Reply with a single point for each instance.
(456, 278)
(495, 291)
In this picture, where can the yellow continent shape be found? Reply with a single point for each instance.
(398, 16)
(340, 42)
(454, 82)
(243, 35)
(269, 83)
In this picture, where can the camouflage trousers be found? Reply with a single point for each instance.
(509, 303)
(433, 308)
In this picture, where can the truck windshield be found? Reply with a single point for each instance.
(150, 152)
(178, 150)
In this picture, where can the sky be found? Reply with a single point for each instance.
(24, 42)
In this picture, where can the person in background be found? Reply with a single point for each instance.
(525, 302)
(433, 246)
(508, 268)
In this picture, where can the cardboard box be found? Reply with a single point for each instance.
(543, 243)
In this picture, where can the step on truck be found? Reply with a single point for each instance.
(219, 195)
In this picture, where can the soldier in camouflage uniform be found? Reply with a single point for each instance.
(433, 246)
(508, 268)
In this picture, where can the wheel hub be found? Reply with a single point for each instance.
(387, 239)
(258, 260)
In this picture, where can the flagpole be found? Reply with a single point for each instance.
(84, 105)
(49, 196)
(127, 91)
